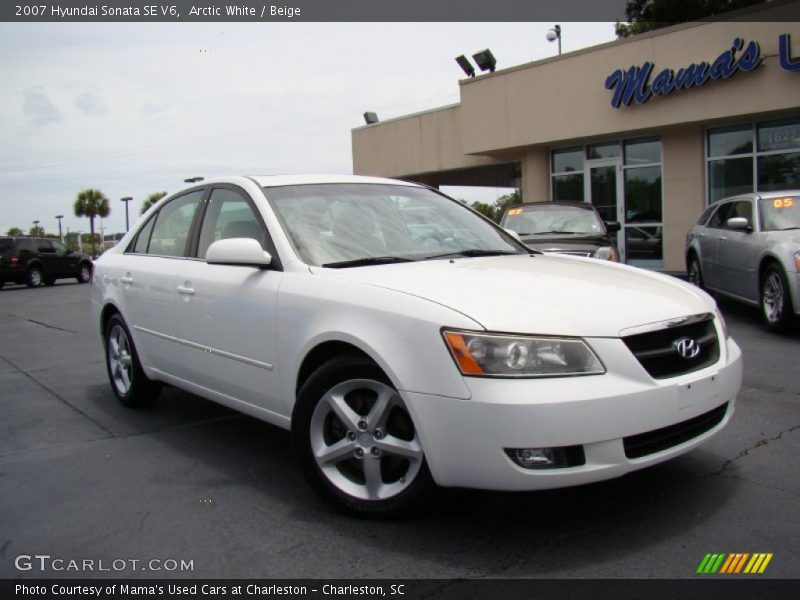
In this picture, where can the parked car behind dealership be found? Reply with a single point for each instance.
(400, 357)
(40, 261)
(564, 227)
(748, 248)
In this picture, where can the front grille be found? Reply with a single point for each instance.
(657, 352)
(657, 440)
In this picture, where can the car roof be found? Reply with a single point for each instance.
(283, 180)
(756, 195)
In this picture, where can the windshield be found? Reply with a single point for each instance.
(530, 220)
(347, 223)
(778, 214)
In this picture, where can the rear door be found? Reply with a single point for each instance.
(228, 312)
(148, 280)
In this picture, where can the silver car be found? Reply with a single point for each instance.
(748, 248)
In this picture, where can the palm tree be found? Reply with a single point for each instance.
(152, 199)
(92, 203)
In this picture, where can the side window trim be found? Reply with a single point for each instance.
(193, 251)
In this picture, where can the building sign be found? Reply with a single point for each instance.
(634, 85)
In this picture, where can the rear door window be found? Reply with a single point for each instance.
(173, 225)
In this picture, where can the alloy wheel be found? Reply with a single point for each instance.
(772, 297)
(120, 362)
(363, 440)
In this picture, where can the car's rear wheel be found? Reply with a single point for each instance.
(356, 442)
(84, 273)
(776, 305)
(131, 386)
(35, 277)
(694, 272)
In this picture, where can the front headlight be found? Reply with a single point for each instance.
(607, 253)
(495, 355)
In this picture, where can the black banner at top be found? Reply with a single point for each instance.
(318, 10)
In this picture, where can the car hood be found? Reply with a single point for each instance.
(542, 294)
(790, 235)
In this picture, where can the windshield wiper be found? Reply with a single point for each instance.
(367, 260)
(473, 252)
(543, 232)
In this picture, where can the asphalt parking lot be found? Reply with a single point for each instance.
(82, 477)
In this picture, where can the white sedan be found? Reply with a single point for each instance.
(407, 341)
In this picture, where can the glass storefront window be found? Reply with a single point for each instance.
(645, 246)
(568, 188)
(779, 172)
(730, 140)
(567, 160)
(645, 151)
(607, 150)
(729, 177)
(779, 135)
(643, 195)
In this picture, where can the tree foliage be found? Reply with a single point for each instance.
(497, 209)
(92, 203)
(14, 232)
(150, 200)
(36, 231)
(647, 15)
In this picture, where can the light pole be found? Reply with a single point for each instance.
(554, 34)
(36, 228)
(127, 199)
(60, 236)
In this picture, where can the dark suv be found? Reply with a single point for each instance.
(40, 261)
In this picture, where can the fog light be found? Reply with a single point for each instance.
(532, 458)
(561, 457)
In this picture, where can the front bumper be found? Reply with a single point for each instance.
(464, 440)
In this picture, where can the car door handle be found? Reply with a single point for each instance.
(126, 279)
(185, 290)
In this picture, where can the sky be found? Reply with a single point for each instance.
(133, 109)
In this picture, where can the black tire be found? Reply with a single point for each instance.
(775, 299)
(695, 273)
(84, 272)
(140, 391)
(402, 495)
(34, 277)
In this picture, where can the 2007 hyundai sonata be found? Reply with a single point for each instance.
(407, 341)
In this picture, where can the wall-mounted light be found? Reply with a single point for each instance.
(193, 180)
(465, 65)
(485, 60)
(370, 118)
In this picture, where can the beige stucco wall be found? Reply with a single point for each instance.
(421, 143)
(536, 175)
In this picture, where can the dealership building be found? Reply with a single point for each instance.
(649, 129)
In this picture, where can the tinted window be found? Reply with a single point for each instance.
(639, 152)
(730, 141)
(45, 246)
(144, 236)
(229, 215)
(6, 245)
(742, 208)
(706, 213)
(173, 224)
(719, 217)
(58, 247)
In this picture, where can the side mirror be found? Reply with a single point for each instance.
(738, 223)
(513, 234)
(612, 226)
(238, 251)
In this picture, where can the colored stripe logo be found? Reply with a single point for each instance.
(734, 563)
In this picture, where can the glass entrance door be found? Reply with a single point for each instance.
(603, 189)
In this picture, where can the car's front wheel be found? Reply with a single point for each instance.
(84, 273)
(129, 382)
(356, 442)
(776, 305)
